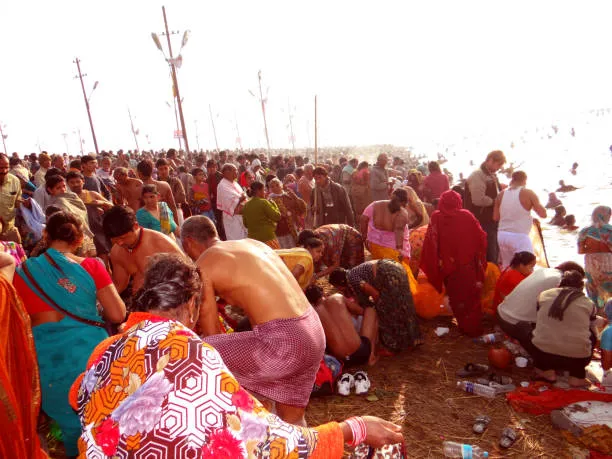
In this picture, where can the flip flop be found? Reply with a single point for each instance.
(473, 369)
(500, 379)
(508, 437)
(480, 424)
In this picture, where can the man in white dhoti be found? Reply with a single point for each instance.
(230, 200)
(512, 210)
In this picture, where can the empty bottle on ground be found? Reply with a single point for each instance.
(489, 338)
(462, 451)
(477, 389)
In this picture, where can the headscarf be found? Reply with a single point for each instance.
(601, 216)
(600, 230)
(454, 238)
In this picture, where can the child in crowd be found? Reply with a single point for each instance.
(199, 197)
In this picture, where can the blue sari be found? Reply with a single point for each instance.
(63, 347)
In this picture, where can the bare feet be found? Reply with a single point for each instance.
(548, 375)
(373, 359)
(578, 382)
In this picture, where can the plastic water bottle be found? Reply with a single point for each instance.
(462, 451)
(489, 338)
(477, 389)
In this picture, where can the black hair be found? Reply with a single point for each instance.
(211, 163)
(14, 161)
(170, 281)
(571, 266)
(87, 158)
(161, 162)
(171, 153)
(74, 174)
(196, 170)
(150, 188)
(570, 219)
(255, 187)
(305, 235)
(522, 258)
(433, 166)
(312, 243)
(51, 172)
(560, 211)
(145, 168)
(338, 277)
(118, 220)
(313, 294)
(571, 285)
(363, 165)
(399, 197)
(75, 164)
(50, 210)
(63, 226)
(572, 279)
(52, 181)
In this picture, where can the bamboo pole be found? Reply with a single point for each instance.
(316, 137)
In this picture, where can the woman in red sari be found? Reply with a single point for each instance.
(19, 381)
(454, 255)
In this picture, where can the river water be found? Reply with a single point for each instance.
(547, 157)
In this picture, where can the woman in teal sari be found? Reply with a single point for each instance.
(155, 214)
(61, 292)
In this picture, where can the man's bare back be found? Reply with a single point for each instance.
(131, 192)
(131, 264)
(249, 274)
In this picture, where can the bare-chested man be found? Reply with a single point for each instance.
(145, 173)
(130, 189)
(279, 359)
(132, 246)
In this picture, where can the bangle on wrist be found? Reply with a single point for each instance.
(358, 429)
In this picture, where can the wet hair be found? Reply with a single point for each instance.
(63, 226)
(338, 277)
(170, 281)
(254, 188)
(196, 170)
(305, 235)
(497, 156)
(73, 175)
(570, 266)
(313, 294)
(199, 228)
(399, 197)
(519, 176)
(145, 168)
(118, 220)
(319, 170)
(87, 159)
(52, 181)
(150, 188)
(171, 153)
(433, 166)
(522, 258)
(560, 211)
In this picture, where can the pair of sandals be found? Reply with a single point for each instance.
(508, 435)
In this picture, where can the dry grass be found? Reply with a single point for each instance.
(417, 389)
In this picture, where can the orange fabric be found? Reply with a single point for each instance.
(531, 400)
(330, 442)
(492, 274)
(19, 381)
(274, 244)
(508, 280)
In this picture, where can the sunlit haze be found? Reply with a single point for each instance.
(384, 72)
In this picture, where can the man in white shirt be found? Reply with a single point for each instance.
(516, 315)
(512, 211)
(230, 200)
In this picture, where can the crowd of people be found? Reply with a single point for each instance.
(117, 273)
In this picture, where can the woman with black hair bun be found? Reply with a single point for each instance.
(61, 291)
(521, 266)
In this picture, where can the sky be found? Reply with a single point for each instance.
(392, 72)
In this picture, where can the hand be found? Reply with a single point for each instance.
(27, 203)
(381, 432)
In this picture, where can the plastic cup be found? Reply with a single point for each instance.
(521, 362)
